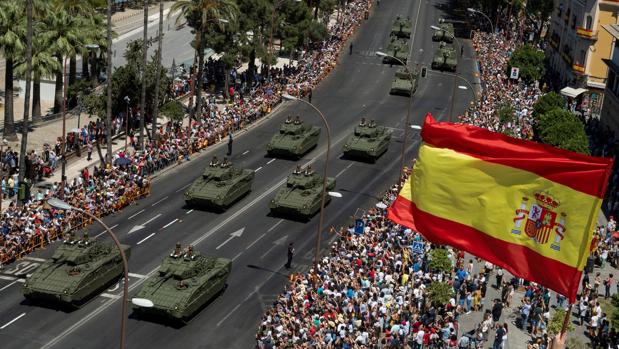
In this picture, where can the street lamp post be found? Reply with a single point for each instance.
(472, 10)
(433, 27)
(454, 89)
(63, 167)
(127, 100)
(324, 175)
(4, 142)
(407, 125)
(59, 204)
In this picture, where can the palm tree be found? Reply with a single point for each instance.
(158, 76)
(199, 14)
(12, 33)
(63, 33)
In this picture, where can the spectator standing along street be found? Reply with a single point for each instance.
(290, 255)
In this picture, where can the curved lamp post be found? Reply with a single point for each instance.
(61, 205)
(407, 124)
(324, 175)
(436, 28)
(472, 10)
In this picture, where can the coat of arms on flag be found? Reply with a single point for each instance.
(540, 219)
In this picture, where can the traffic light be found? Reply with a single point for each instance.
(424, 72)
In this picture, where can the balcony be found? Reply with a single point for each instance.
(586, 33)
(578, 68)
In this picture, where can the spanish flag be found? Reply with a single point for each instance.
(526, 207)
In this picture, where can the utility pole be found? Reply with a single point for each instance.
(108, 118)
(158, 77)
(144, 62)
(24, 130)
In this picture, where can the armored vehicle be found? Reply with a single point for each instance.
(220, 185)
(402, 83)
(445, 58)
(401, 27)
(77, 270)
(397, 48)
(184, 283)
(301, 195)
(294, 139)
(446, 33)
(369, 141)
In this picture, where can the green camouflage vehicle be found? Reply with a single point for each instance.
(185, 282)
(77, 270)
(397, 48)
(445, 58)
(402, 84)
(369, 141)
(220, 185)
(401, 27)
(446, 33)
(301, 195)
(295, 138)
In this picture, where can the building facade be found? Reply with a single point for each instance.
(578, 46)
(610, 108)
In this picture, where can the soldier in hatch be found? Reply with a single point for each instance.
(214, 162)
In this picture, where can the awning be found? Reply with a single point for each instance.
(572, 92)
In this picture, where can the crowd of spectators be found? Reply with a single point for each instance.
(115, 186)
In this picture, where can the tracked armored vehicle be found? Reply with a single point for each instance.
(77, 270)
(185, 282)
(294, 139)
(397, 48)
(368, 142)
(301, 195)
(401, 27)
(402, 84)
(445, 58)
(446, 32)
(220, 185)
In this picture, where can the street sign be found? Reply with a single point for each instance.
(515, 73)
(359, 226)
(418, 247)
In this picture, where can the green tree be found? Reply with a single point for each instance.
(200, 14)
(562, 129)
(439, 261)
(173, 110)
(546, 103)
(505, 113)
(530, 61)
(556, 323)
(440, 293)
(12, 46)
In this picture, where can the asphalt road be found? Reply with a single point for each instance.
(357, 88)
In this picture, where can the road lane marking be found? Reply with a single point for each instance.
(275, 225)
(7, 278)
(245, 152)
(196, 242)
(270, 161)
(183, 187)
(233, 259)
(253, 243)
(9, 285)
(169, 224)
(152, 219)
(258, 169)
(12, 321)
(146, 238)
(35, 259)
(188, 212)
(165, 197)
(103, 232)
(228, 315)
(267, 252)
(108, 295)
(142, 210)
(342, 171)
(139, 276)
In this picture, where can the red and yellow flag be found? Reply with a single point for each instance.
(526, 207)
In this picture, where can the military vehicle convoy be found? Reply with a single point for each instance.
(183, 284)
(446, 33)
(445, 58)
(301, 195)
(397, 48)
(402, 84)
(77, 270)
(294, 139)
(220, 185)
(401, 27)
(368, 142)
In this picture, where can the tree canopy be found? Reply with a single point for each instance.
(546, 103)
(562, 129)
(530, 62)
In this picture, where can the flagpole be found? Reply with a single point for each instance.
(566, 321)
